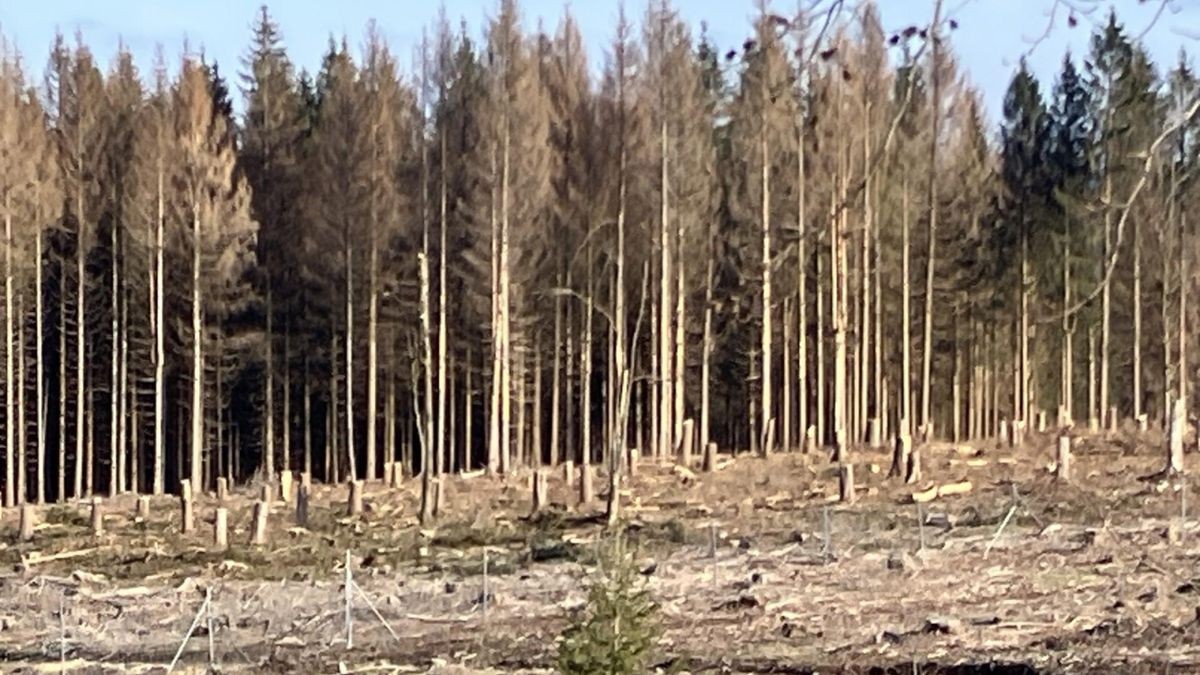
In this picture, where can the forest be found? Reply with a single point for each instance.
(508, 257)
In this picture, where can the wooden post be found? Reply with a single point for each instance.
(1062, 469)
(1175, 436)
(685, 442)
(397, 474)
(1041, 421)
(259, 535)
(846, 483)
(355, 506)
(222, 489)
(142, 513)
(569, 472)
(28, 521)
(185, 501)
(539, 490)
(285, 486)
(710, 456)
(97, 517)
(302, 506)
(221, 528)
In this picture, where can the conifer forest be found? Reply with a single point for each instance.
(504, 256)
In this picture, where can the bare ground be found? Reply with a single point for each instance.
(1093, 576)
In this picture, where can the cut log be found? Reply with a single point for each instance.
(935, 491)
(142, 514)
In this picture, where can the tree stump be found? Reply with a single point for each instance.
(97, 517)
(28, 521)
(1064, 418)
(185, 501)
(539, 490)
(1041, 421)
(222, 489)
(387, 473)
(1094, 425)
(768, 438)
(397, 475)
(846, 483)
(355, 504)
(875, 432)
(585, 484)
(901, 454)
(302, 506)
(1062, 463)
(1175, 436)
(142, 513)
(810, 439)
(265, 493)
(1004, 431)
(1143, 422)
(710, 456)
(685, 442)
(1112, 419)
(569, 472)
(259, 533)
(221, 528)
(306, 480)
(285, 486)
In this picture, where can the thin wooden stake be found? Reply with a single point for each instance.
(349, 618)
(208, 615)
(188, 636)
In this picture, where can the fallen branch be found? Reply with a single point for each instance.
(36, 558)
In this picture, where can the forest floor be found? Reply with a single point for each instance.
(1098, 575)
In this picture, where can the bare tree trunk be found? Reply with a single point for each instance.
(707, 345)
(10, 495)
(426, 417)
(40, 376)
(22, 447)
(123, 474)
(838, 304)
(906, 319)
(666, 436)
(114, 450)
(1137, 322)
(197, 411)
(308, 467)
(494, 425)
(1068, 361)
(765, 215)
(1021, 414)
(787, 376)
(62, 409)
(505, 384)
(443, 335)
(160, 351)
(331, 435)
(351, 460)
(269, 392)
(288, 461)
(1105, 299)
(802, 291)
(821, 411)
(864, 334)
(372, 355)
(930, 258)
(556, 384)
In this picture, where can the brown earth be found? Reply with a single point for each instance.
(1098, 575)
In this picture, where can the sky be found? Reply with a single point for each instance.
(992, 37)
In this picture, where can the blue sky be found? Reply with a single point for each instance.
(992, 36)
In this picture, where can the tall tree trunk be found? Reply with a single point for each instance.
(443, 335)
(1068, 338)
(505, 383)
(372, 352)
(10, 495)
(802, 290)
(269, 392)
(62, 407)
(114, 450)
(556, 384)
(21, 449)
(40, 376)
(666, 380)
(331, 434)
(426, 417)
(906, 319)
(197, 359)
(286, 426)
(494, 425)
(931, 243)
(1137, 321)
(767, 412)
(124, 477)
(351, 460)
(786, 382)
(307, 419)
(706, 347)
(1105, 297)
(160, 351)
